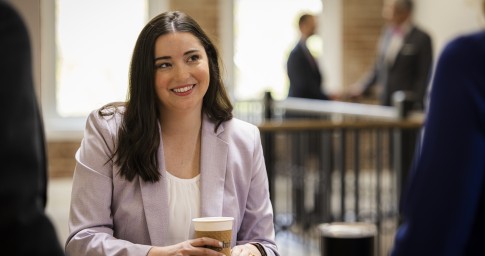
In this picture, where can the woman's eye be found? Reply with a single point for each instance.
(163, 65)
(193, 58)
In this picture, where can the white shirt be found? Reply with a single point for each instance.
(396, 42)
(184, 205)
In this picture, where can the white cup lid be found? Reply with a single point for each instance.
(213, 223)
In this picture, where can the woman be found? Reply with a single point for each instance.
(173, 152)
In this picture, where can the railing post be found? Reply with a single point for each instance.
(403, 141)
(403, 102)
(269, 147)
(268, 106)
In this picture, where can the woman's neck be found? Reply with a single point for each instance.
(173, 124)
(181, 138)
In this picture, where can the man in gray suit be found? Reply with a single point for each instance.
(404, 58)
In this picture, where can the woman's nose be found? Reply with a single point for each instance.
(182, 72)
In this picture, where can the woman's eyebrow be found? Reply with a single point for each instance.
(168, 57)
(163, 58)
(190, 52)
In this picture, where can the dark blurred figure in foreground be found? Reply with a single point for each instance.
(404, 58)
(303, 71)
(25, 229)
(443, 208)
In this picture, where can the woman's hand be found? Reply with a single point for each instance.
(189, 247)
(245, 250)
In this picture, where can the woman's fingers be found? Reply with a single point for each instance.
(205, 241)
(245, 250)
(202, 246)
(236, 251)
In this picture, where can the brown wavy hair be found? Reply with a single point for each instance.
(138, 135)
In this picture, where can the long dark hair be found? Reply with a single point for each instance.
(138, 135)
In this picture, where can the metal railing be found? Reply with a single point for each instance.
(337, 162)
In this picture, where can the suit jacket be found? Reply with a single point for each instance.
(25, 229)
(410, 70)
(443, 208)
(304, 74)
(113, 216)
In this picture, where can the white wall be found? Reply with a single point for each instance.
(331, 30)
(446, 19)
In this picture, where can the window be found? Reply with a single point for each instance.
(86, 52)
(94, 40)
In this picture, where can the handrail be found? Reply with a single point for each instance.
(306, 125)
(315, 106)
(255, 111)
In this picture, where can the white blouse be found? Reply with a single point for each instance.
(184, 205)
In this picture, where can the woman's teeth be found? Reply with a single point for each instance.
(183, 89)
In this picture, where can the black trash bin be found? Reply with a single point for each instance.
(347, 239)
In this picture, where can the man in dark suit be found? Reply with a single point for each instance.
(404, 60)
(25, 229)
(303, 71)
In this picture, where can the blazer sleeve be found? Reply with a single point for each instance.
(90, 219)
(370, 78)
(440, 206)
(257, 225)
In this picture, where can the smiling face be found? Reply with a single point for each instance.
(181, 72)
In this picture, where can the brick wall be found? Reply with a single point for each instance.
(362, 24)
(205, 12)
(60, 155)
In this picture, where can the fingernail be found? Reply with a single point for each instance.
(221, 244)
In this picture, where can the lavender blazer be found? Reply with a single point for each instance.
(112, 216)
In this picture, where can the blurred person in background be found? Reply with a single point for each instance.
(25, 228)
(303, 70)
(404, 58)
(443, 208)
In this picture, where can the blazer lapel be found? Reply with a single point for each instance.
(155, 203)
(213, 169)
(406, 48)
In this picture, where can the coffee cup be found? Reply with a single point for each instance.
(219, 228)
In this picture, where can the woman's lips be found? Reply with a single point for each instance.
(184, 90)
